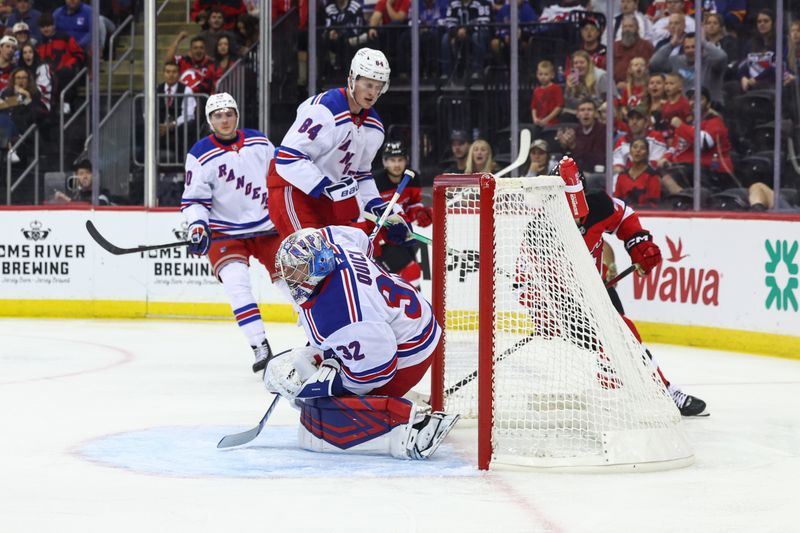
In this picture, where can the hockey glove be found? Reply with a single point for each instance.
(345, 202)
(324, 382)
(199, 237)
(424, 217)
(644, 253)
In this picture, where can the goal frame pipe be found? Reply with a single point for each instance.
(485, 184)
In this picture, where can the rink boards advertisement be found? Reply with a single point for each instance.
(718, 273)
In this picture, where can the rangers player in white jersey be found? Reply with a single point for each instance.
(225, 194)
(371, 339)
(322, 171)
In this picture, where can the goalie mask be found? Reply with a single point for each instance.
(370, 64)
(303, 260)
(219, 101)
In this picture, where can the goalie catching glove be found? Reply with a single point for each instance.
(645, 254)
(303, 373)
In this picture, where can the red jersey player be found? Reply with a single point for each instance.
(596, 214)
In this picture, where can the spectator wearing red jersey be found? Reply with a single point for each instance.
(197, 70)
(675, 104)
(639, 185)
(231, 8)
(61, 51)
(548, 98)
(638, 123)
(715, 152)
(8, 49)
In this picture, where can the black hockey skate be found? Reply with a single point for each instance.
(687, 404)
(263, 354)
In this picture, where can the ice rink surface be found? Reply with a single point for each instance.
(112, 426)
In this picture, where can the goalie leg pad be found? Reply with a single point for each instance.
(383, 425)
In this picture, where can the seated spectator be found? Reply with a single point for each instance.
(61, 51)
(714, 32)
(479, 158)
(24, 12)
(654, 98)
(643, 24)
(584, 81)
(539, 159)
(222, 55)
(676, 31)
(81, 187)
(715, 154)
(590, 138)
(590, 43)
(674, 7)
(713, 64)
(459, 148)
(8, 50)
(675, 104)
(30, 59)
(757, 69)
(341, 35)
(633, 89)
(75, 19)
(629, 46)
(22, 34)
(792, 54)
(500, 44)
(20, 108)
(639, 185)
(246, 32)
(197, 70)
(231, 10)
(638, 122)
(547, 100)
(467, 36)
(216, 21)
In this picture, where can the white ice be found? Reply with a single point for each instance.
(112, 426)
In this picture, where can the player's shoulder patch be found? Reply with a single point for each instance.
(203, 148)
(335, 100)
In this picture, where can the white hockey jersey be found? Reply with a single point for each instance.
(226, 185)
(373, 321)
(327, 143)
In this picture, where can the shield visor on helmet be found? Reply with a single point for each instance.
(372, 64)
(303, 260)
(220, 101)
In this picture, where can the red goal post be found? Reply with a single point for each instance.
(532, 346)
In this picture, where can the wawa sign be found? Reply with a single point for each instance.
(676, 279)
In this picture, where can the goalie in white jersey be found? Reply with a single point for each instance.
(322, 171)
(371, 338)
(226, 194)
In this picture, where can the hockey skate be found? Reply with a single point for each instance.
(263, 354)
(429, 433)
(687, 404)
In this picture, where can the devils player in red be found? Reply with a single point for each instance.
(596, 213)
(401, 259)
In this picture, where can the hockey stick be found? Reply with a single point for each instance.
(407, 176)
(522, 342)
(524, 153)
(237, 439)
(421, 238)
(116, 250)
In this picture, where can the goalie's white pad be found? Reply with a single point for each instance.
(372, 425)
(286, 373)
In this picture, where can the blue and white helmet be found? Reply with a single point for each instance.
(303, 260)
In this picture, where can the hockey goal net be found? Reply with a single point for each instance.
(532, 346)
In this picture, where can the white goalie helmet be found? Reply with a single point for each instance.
(303, 260)
(219, 101)
(370, 64)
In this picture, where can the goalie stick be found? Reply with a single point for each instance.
(522, 156)
(237, 439)
(116, 250)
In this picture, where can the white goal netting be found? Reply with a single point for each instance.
(571, 385)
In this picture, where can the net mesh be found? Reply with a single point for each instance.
(572, 386)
